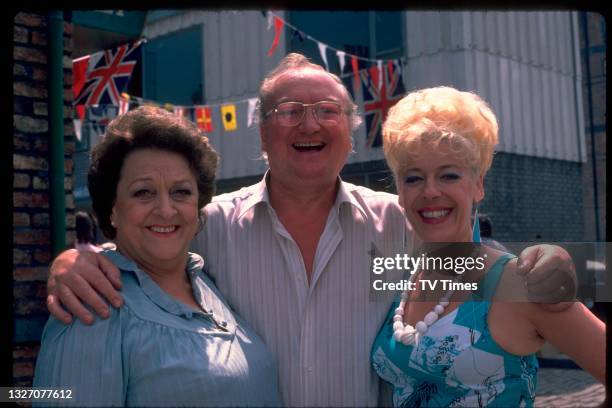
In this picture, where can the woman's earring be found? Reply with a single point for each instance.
(476, 228)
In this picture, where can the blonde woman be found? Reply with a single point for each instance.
(464, 348)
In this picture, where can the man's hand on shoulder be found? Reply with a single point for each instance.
(550, 276)
(81, 277)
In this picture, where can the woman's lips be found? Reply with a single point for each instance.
(163, 231)
(434, 216)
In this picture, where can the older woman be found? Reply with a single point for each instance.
(175, 341)
(461, 348)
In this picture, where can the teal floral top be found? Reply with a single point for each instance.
(456, 362)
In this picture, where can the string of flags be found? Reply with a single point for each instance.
(101, 79)
(358, 63)
(202, 115)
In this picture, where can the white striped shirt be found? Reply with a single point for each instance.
(321, 334)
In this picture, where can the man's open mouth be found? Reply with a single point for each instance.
(309, 146)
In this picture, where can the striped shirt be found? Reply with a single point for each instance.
(320, 333)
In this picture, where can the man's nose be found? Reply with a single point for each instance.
(309, 121)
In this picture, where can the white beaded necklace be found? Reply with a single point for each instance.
(409, 335)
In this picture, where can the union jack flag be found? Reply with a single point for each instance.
(378, 97)
(108, 73)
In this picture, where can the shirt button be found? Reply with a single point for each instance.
(223, 323)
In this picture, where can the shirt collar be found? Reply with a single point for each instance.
(259, 194)
(152, 289)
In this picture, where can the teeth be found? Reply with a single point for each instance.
(308, 144)
(163, 229)
(435, 214)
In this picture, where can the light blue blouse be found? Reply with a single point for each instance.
(156, 351)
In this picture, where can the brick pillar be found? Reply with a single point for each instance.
(31, 235)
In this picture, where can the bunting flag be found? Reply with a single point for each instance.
(297, 34)
(278, 29)
(78, 126)
(323, 51)
(251, 111)
(124, 103)
(79, 75)
(341, 62)
(107, 75)
(380, 73)
(355, 65)
(377, 101)
(184, 112)
(204, 119)
(228, 117)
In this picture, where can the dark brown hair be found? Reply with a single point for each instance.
(147, 128)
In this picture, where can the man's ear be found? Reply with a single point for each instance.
(263, 137)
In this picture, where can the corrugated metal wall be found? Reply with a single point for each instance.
(525, 64)
(235, 61)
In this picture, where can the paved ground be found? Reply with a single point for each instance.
(568, 388)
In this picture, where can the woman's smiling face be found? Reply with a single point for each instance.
(437, 192)
(156, 209)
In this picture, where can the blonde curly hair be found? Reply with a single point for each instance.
(441, 116)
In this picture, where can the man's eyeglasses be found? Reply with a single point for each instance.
(291, 114)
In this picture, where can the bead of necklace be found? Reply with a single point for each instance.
(409, 335)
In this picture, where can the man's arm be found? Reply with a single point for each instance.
(81, 277)
(550, 276)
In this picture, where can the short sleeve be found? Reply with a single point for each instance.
(87, 359)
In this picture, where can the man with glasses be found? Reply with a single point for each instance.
(292, 254)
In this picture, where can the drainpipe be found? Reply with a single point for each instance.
(56, 132)
(587, 60)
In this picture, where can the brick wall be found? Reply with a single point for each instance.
(31, 216)
(534, 199)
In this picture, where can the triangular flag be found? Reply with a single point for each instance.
(278, 29)
(298, 34)
(169, 107)
(251, 111)
(355, 65)
(380, 73)
(322, 50)
(204, 118)
(228, 117)
(78, 124)
(124, 103)
(341, 55)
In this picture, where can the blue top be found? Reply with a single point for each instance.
(155, 350)
(456, 362)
